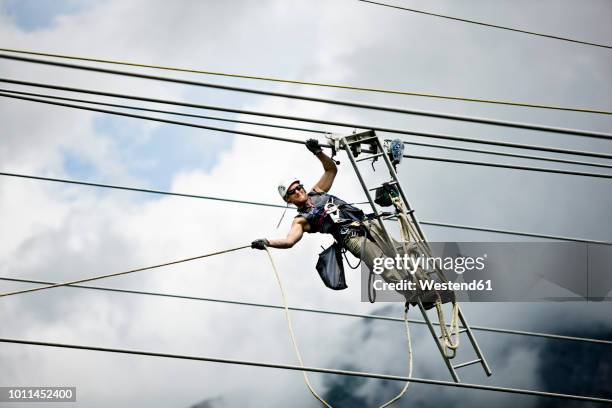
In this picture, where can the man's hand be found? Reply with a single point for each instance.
(314, 146)
(260, 243)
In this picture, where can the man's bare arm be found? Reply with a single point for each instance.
(329, 174)
(295, 234)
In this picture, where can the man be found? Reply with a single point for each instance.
(321, 212)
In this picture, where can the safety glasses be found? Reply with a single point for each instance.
(293, 190)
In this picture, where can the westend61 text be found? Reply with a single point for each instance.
(475, 285)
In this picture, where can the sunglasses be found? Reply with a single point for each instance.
(293, 190)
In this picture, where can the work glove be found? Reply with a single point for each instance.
(260, 243)
(314, 146)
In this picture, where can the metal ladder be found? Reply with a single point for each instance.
(354, 145)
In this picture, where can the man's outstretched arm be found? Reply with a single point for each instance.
(295, 234)
(329, 167)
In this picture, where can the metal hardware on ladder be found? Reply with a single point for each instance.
(365, 139)
(467, 363)
(390, 183)
(360, 137)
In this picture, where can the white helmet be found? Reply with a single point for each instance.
(284, 185)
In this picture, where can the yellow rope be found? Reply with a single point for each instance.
(299, 354)
(292, 333)
(320, 84)
(450, 347)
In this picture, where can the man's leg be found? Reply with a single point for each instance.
(366, 250)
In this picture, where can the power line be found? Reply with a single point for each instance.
(509, 166)
(555, 37)
(319, 84)
(172, 122)
(239, 132)
(190, 115)
(310, 83)
(518, 125)
(309, 369)
(496, 153)
(110, 275)
(311, 310)
(305, 119)
(512, 232)
(161, 192)
(137, 189)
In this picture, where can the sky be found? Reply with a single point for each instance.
(59, 232)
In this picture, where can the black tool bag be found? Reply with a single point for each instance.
(385, 194)
(331, 268)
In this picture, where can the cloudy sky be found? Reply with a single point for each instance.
(58, 232)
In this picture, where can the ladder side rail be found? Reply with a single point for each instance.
(479, 354)
(401, 191)
(415, 228)
(442, 277)
(365, 189)
(423, 245)
(425, 248)
(432, 330)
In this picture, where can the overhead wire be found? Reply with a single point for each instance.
(270, 137)
(309, 83)
(110, 275)
(307, 119)
(169, 193)
(311, 310)
(506, 154)
(309, 369)
(481, 23)
(301, 129)
(166, 112)
(352, 104)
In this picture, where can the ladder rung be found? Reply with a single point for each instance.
(467, 363)
(369, 157)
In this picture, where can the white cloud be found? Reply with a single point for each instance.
(54, 232)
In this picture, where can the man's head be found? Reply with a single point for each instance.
(292, 191)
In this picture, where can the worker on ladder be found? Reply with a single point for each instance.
(366, 238)
(319, 211)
